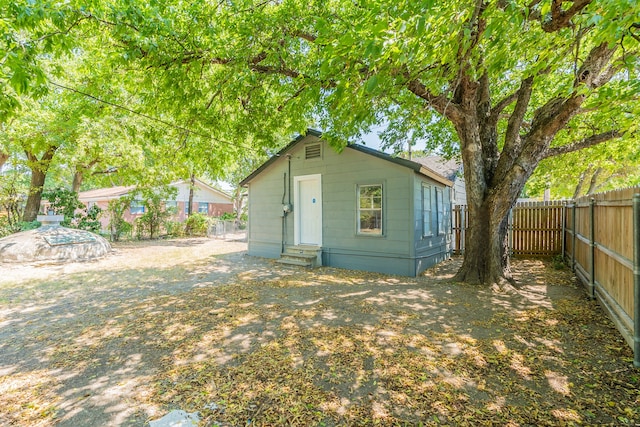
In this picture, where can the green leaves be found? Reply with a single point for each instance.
(371, 84)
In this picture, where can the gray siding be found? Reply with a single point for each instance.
(459, 191)
(434, 247)
(396, 252)
(265, 212)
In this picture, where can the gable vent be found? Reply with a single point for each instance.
(313, 151)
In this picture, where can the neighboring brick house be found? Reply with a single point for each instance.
(206, 200)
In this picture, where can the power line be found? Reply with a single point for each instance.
(148, 117)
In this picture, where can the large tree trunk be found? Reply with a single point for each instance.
(35, 195)
(78, 177)
(486, 257)
(77, 181)
(3, 158)
(491, 193)
(39, 170)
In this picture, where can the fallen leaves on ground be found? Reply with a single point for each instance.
(336, 347)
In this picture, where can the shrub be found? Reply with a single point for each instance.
(174, 228)
(118, 226)
(140, 228)
(89, 219)
(227, 216)
(7, 228)
(64, 202)
(155, 212)
(197, 225)
(30, 225)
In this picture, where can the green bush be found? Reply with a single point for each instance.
(31, 225)
(197, 225)
(118, 226)
(227, 216)
(7, 228)
(174, 228)
(140, 228)
(64, 202)
(89, 219)
(155, 212)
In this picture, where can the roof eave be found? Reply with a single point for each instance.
(416, 167)
(435, 176)
(310, 132)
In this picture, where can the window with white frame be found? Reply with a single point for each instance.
(136, 207)
(203, 207)
(369, 215)
(426, 211)
(440, 208)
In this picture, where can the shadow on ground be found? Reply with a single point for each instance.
(243, 340)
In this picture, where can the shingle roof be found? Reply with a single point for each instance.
(448, 168)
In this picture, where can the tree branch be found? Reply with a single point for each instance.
(266, 69)
(562, 18)
(512, 134)
(556, 113)
(502, 104)
(305, 36)
(592, 73)
(584, 143)
(440, 103)
(634, 26)
(292, 97)
(61, 32)
(477, 25)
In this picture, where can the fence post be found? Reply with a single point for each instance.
(573, 237)
(463, 225)
(592, 281)
(563, 215)
(636, 280)
(510, 232)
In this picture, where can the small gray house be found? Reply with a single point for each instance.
(359, 209)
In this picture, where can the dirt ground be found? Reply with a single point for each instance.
(198, 325)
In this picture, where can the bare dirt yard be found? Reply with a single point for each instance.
(197, 325)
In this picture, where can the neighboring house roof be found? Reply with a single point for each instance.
(119, 191)
(204, 185)
(417, 167)
(105, 193)
(449, 168)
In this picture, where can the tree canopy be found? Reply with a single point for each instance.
(504, 84)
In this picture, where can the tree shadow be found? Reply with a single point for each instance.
(241, 339)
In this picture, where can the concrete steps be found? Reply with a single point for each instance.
(301, 255)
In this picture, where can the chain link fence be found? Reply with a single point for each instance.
(228, 230)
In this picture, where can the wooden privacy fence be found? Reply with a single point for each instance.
(535, 228)
(602, 245)
(598, 236)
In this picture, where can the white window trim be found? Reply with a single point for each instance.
(440, 211)
(382, 228)
(427, 232)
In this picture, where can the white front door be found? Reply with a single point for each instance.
(308, 210)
